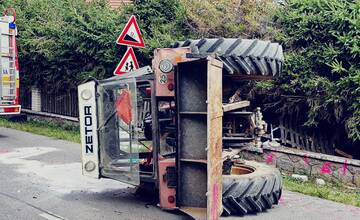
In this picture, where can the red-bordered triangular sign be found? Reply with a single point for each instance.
(131, 35)
(128, 63)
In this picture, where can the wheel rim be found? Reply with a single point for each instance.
(241, 170)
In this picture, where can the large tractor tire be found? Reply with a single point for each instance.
(250, 188)
(240, 56)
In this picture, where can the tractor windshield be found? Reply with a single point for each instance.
(118, 130)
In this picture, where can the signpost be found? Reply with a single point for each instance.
(131, 37)
(128, 63)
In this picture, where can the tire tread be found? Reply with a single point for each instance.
(241, 56)
(251, 195)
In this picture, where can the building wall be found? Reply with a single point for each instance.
(118, 3)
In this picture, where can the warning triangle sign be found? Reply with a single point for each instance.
(131, 35)
(128, 63)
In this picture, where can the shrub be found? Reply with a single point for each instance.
(161, 22)
(63, 42)
(230, 18)
(322, 43)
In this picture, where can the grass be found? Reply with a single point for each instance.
(49, 129)
(331, 191)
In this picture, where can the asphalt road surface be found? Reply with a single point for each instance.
(40, 178)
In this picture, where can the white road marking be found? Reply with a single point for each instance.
(50, 217)
(46, 214)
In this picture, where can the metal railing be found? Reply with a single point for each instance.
(60, 103)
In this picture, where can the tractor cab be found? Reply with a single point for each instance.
(113, 116)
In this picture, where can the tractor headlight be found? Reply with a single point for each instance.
(86, 94)
(166, 66)
(90, 166)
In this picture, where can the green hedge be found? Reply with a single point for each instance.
(63, 42)
(322, 48)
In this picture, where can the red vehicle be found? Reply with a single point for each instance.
(9, 66)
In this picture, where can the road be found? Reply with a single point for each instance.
(40, 178)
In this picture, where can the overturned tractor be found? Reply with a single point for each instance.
(177, 127)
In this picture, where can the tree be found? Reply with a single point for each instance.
(230, 18)
(63, 42)
(322, 67)
(161, 22)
